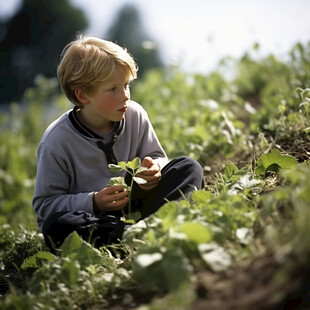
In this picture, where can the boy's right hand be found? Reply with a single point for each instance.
(111, 198)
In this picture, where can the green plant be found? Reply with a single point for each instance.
(132, 167)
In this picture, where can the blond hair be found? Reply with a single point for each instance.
(88, 62)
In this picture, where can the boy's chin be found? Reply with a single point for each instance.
(118, 118)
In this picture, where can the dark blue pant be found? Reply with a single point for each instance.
(179, 177)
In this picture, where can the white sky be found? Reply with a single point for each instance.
(198, 33)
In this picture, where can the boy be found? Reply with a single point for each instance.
(104, 127)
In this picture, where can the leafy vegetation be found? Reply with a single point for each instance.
(240, 243)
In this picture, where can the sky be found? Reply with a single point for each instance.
(196, 34)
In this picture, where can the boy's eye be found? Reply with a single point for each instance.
(126, 86)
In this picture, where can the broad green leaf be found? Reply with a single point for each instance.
(134, 164)
(116, 181)
(71, 243)
(87, 255)
(122, 164)
(35, 261)
(141, 169)
(169, 209)
(273, 161)
(115, 168)
(119, 181)
(196, 232)
(168, 213)
(76, 248)
(201, 196)
(260, 170)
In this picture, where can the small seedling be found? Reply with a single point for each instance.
(133, 167)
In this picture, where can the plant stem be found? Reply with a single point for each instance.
(123, 213)
(129, 195)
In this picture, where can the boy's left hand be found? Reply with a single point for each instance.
(152, 175)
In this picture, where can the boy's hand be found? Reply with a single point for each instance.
(111, 198)
(152, 175)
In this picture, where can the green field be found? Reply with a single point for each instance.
(241, 243)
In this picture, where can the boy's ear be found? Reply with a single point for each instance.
(81, 96)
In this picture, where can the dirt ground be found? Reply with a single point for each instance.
(254, 286)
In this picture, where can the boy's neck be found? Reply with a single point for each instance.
(100, 128)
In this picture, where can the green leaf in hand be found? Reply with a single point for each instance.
(132, 167)
(122, 164)
(118, 181)
(141, 169)
(134, 164)
(115, 168)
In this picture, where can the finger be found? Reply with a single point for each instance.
(148, 172)
(147, 162)
(150, 183)
(116, 205)
(151, 171)
(114, 197)
(118, 196)
(148, 187)
(113, 189)
(104, 202)
(150, 178)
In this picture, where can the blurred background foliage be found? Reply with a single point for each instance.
(31, 42)
(128, 30)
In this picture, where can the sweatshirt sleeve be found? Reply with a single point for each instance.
(52, 187)
(149, 144)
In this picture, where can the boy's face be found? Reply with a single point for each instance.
(109, 102)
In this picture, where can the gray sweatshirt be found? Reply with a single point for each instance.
(72, 161)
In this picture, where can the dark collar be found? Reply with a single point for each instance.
(88, 132)
(106, 148)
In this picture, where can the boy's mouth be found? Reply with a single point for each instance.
(124, 109)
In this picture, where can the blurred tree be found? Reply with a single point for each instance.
(129, 32)
(31, 43)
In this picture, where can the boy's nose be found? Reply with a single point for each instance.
(126, 94)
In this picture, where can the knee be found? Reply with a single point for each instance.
(191, 164)
(192, 169)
